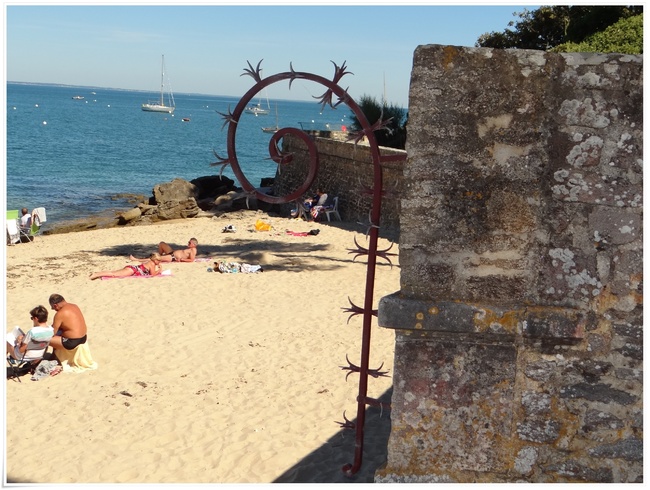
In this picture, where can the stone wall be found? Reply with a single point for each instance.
(345, 169)
(518, 325)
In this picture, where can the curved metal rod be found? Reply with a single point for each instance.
(333, 89)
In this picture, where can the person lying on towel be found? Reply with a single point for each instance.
(151, 267)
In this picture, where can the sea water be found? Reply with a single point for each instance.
(76, 157)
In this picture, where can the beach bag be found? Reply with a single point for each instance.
(262, 226)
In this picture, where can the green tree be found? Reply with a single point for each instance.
(551, 26)
(626, 36)
(393, 135)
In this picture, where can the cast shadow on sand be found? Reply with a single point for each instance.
(325, 464)
(271, 254)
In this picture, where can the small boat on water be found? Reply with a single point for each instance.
(78, 97)
(273, 129)
(159, 105)
(186, 119)
(257, 109)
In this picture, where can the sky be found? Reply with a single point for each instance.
(207, 46)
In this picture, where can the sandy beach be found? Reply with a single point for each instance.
(202, 377)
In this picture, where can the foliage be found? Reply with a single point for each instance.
(550, 26)
(394, 134)
(626, 36)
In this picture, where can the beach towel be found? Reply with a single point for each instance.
(235, 267)
(40, 215)
(303, 233)
(76, 360)
(44, 369)
(165, 273)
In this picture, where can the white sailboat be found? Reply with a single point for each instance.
(257, 109)
(159, 105)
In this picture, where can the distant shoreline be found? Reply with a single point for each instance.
(93, 87)
(140, 91)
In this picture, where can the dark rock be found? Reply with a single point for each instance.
(598, 392)
(597, 420)
(267, 182)
(629, 449)
(211, 186)
(579, 471)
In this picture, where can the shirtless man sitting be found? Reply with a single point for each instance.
(69, 324)
(167, 254)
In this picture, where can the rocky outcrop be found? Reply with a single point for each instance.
(210, 195)
(177, 209)
(129, 215)
(188, 199)
(176, 190)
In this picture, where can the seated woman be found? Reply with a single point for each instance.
(311, 207)
(323, 202)
(318, 200)
(31, 345)
(151, 267)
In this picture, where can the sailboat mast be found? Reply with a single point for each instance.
(162, 80)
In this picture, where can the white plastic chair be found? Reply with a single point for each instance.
(334, 210)
(13, 232)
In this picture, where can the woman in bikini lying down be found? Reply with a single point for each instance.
(151, 267)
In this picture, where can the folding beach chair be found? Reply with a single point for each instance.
(38, 218)
(13, 230)
(334, 210)
(36, 347)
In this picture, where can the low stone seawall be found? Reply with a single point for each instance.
(345, 170)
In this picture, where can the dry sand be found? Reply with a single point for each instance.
(203, 377)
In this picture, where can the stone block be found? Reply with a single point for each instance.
(129, 215)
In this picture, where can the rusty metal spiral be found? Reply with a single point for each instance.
(333, 90)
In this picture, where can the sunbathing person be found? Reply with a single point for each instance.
(168, 254)
(151, 267)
